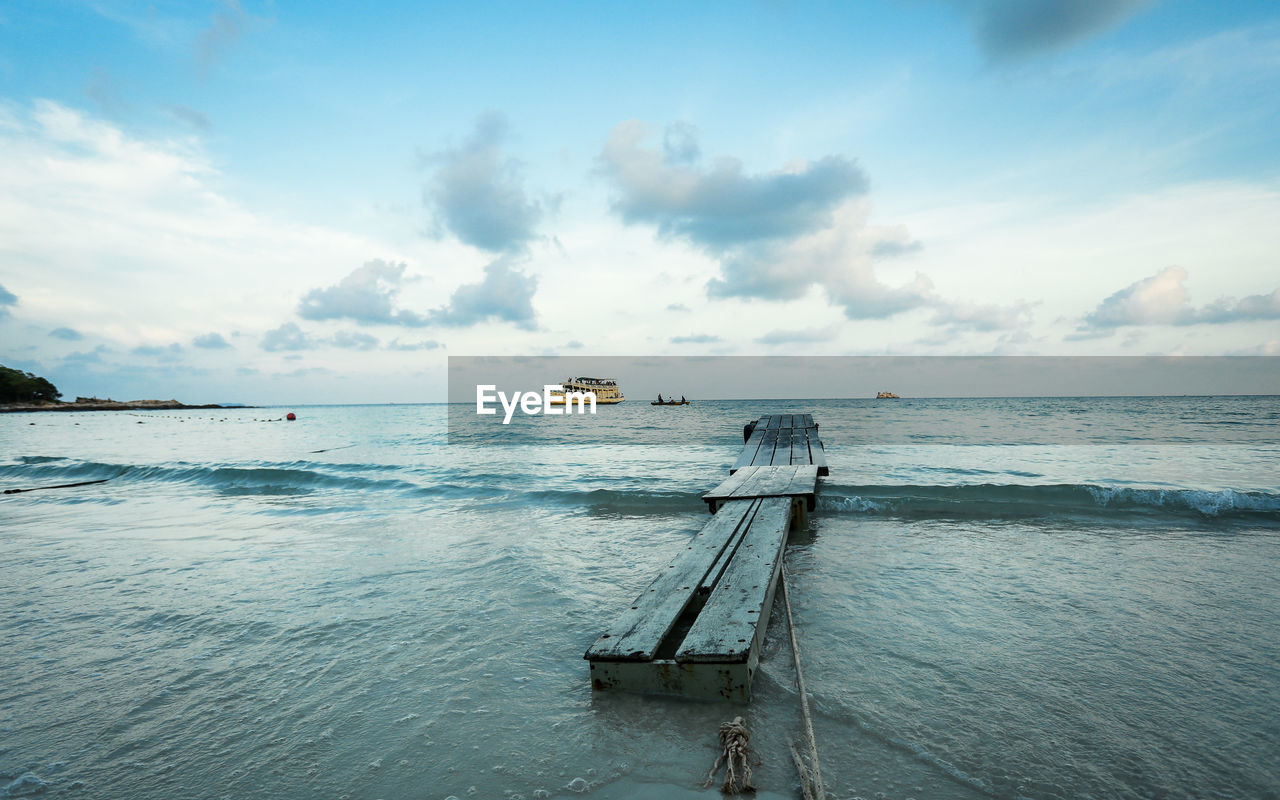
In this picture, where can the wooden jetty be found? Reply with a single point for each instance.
(781, 440)
(697, 630)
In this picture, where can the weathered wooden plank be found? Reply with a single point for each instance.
(725, 489)
(782, 450)
(749, 450)
(637, 633)
(818, 455)
(798, 480)
(800, 447)
(791, 481)
(775, 421)
(747, 477)
(728, 627)
(785, 421)
(763, 482)
(713, 575)
(807, 420)
(764, 456)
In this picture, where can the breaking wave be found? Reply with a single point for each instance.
(307, 477)
(1016, 500)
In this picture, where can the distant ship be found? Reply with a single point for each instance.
(887, 396)
(606, 390)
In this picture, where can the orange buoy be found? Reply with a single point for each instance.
(291, 416)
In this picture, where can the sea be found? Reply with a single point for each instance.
(995, 598)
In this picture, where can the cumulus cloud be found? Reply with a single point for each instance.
(367, 295)
(775, 235)
(7, 300)
(290, 338)
(427, 344)
(66, 334)
(354, 340)
(803, 336)
(984, 318)
(98, 213)
(1163, 299)
(677, 307)
(718, 206)
(1246, 309)
(167, 353)
(478, 192)
(695, 338)
(210, 341)
(505, 295)
(287, 337)
(1008, 29)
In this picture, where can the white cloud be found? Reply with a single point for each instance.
(134, 239)
(1163, 299)
(984, 317)
(478, 191)
(287, 337)
(504, 295)
(366, 295)
(775, 235)
(1068, 258)
(210, 341)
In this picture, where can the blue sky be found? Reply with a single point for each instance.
(276, 202)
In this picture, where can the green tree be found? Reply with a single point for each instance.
(23, 387)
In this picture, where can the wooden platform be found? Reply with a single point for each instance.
(697, 629)
(783, 440)
(800, 481)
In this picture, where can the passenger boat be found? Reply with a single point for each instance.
(606, 390)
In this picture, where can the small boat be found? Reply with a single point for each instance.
(887, 396)
(670, 402)
(605, 390)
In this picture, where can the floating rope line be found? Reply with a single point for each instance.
(810, 775)
(735, 755)
(59, 486)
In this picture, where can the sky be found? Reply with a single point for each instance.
(277, 202)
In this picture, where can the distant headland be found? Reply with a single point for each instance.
(99, 404)
(23, 391)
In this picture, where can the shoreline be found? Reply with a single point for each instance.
(109, 405)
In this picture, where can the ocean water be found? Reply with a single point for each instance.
(1070, 598)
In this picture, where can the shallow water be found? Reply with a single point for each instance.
(234, 614)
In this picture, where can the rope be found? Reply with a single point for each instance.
(811, 776)
(806, 791)
(59, 486)
(735, 756)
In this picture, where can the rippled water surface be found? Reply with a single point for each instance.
(348, 605)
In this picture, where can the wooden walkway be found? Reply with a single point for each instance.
(782, 440)
(697, 629)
